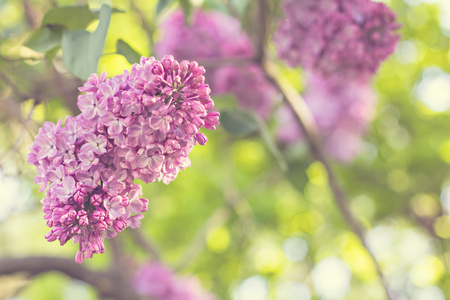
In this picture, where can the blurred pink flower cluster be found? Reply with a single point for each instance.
(340, 43)
(346, 38)
(160, 283)
(218, 39)
(138, 125)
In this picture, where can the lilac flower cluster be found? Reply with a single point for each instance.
(207, 35)
(160, 283)
(342, 114)
(138, 125)
(217, 38)
(348, 37)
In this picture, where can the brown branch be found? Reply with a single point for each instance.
(305, 120)
(262, 29)
(108, 284)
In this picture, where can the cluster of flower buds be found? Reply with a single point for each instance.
(160, 283)
(138, 125)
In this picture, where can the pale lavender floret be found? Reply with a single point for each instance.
(114, 124)
(56, 175)
(345, 38)
(159, 282)
(66, 190)
(114, 207)
(88, 104)
(91, 85)
(342, 114)
(87, 160)
(41, 179)
(92, 161)
(70, 130)
(91, 176)
(95, 143)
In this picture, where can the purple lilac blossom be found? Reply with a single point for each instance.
(160, 283)
(342, 114)
(209, 35)
(141, 124)
(336, 37)
(215, 37)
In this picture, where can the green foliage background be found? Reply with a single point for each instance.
(227, 217)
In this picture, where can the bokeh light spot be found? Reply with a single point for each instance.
(442, 227)
(427, 271)
(218, 239)
(331, 277)
(253, 288)
(292, 291)
(295, 248)
(425, 205)
(317, 173)
(434, 89)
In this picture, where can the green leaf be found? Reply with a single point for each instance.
(45, 39)
(224, 102)
(82, 50)
(238, 122)
(70, 17)
(242, 123)
(114, 10)
(130, 54)
(162, 4)
(51, 54)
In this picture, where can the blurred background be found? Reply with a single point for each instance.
(245, 227)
